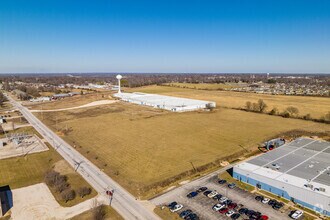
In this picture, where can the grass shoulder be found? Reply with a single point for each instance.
(165, 213)
(101, 212)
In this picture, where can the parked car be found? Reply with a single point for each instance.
(263, 217)
(297, 214)
(265, 200)
(255, 215)
(232, 205)
(228, 202)
(212, 194)
(223, 210)
(232, 185)
(259, 198)
(176, 208)
(272, 202)
(218, 206)
(223, 199)
(192, 216)
(217, 197)
(222, 181)
(243, 211)
(185, 213)
(230, 213)
(278, 205)
(172, 204)
(192, 194)
(202, 189)
(207, 192)
(235, 216)
(250, 212)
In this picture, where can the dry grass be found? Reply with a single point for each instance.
(140, 146)
(204, 86)
(316, 106)
(71, 101)
(165, 213)
(110, 214)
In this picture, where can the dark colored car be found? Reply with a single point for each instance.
(255, 215)
(243, 211)
(272, 202)
(217, 197)
(259, 198)
(223, 210)
(192, 194)
(192, 216)
(207, 192)
(232, 205)
(202, 189)
(231, 185)
(235, 216)
(250, 213)
(278, 205)
(227, 202)
(222, 181)
(172, 204)
(185, 213)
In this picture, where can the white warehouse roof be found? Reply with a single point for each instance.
(165, 102)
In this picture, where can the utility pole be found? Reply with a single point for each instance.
(193, 166)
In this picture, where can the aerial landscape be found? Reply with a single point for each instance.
(169, 110)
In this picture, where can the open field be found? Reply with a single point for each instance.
(24, 171)
(316, 106)
(204, 86)
(110, 214)
(69, 102)
(142, 147)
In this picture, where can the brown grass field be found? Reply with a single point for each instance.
(316, 106)
(204, 86)
(71, 101)
(140, 146)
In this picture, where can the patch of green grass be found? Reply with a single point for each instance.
(225, 175)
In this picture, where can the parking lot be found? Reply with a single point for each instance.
(202, 205)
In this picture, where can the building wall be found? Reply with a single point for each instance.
(312, 200)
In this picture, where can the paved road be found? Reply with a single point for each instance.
(123, 202)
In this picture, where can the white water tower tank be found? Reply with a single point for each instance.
(119, 77)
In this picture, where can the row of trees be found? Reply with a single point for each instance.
(2, 99)
(60, 184)
(289, 112)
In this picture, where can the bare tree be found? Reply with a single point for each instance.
(248, 106)
(261, 105)
(84, 191)
(293, 111)
(68, 195)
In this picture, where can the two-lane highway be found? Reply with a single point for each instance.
(123, 202)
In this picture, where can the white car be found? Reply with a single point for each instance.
(223, 199)
(218, 206)
(212, 194)
(297, 214)
(230, 213)
(265, 200)
(176, 208)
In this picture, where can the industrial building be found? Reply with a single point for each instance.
(298, 171)
(170, 103)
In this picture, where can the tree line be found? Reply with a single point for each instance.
(289, 112)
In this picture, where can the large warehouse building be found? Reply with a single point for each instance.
(298, 171)
(170, 103)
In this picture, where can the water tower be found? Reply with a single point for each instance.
(119, 77)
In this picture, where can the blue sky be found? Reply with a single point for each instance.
(165, 36)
